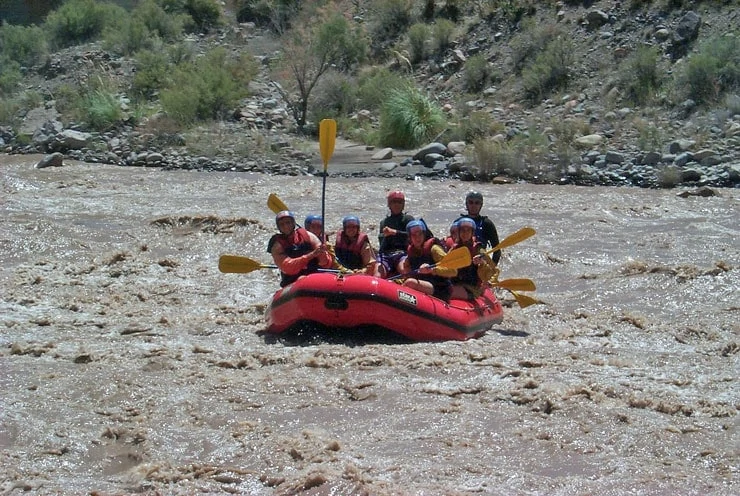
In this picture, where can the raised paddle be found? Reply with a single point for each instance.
(512, 239)
(275, 204)
(327, 139)
(454, 259)
(236, 264)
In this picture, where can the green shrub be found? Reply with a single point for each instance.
(25, 45)
(168, 26)
(418, 36)
(153, 70)
(442, 33)
(208, 87)
(275, 14)
(78, 21)
(494, 158)
(205, 13)
(532, 40)
(9, 108)
(388, 19)
(477, 73)
(409, 118)
(10, 76)
(649, 136)
(375, 85)
(713, 70)
(128, 35)
(640, 77)
(477, 124)
(549, 71)
(335, 95)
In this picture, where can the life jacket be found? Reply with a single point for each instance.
(295, 244)
(449, 243)
(349, 253)
(469, 274)
(417, 258)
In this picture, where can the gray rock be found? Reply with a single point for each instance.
(53, 160)
(383, 154)
(70, 139)
(431, 148)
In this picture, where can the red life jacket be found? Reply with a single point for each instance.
(295, 244)
(424, 256)
(349, 253)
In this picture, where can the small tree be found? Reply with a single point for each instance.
(311, 50)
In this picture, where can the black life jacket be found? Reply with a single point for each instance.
(469, 274)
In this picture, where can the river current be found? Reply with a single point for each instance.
(130, 364)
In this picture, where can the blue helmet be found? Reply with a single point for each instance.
(351, 219)
(466, 221)
(283, 214)
(414, 224)
(310, 219)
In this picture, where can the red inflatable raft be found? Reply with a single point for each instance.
(337, 301)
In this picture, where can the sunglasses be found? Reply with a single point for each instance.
(475, 202)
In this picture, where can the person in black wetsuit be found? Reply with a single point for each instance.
(485, 230)
(393, 239)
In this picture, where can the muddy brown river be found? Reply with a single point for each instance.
(130, 365)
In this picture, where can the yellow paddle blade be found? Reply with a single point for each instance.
(512, 239)
(515, 284)
(524, 301)
(327, 139)
(275, 204)
(456, 259)
(235, 264)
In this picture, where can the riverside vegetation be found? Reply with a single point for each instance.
(635, 92)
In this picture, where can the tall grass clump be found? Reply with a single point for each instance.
(409, 118)
(101, 110)
(25, 45)
(549, 71)
(640, 77)
(208, 87)
(79, 21)
(713, 71)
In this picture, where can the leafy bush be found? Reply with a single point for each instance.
(208, 87)
(166, 25)
(714, 70)
(640, 77)
(153, 71)
(275, 14)
(408, 118)
(388, 20)
(549, 71)
(335, 96)
(25, 45)
(477, 124)
(418, 35)
(477, 73)
(128, 35)
(205, 13)
(494, 157)
(375, 85)
(442, 35)
(532, 40)
(649, 136)
(10, 76)
(78, 21)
